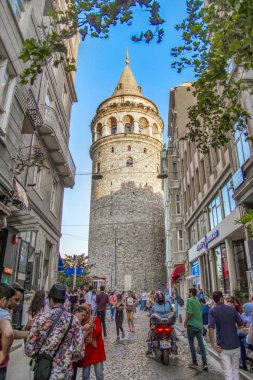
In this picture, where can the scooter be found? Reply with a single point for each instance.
(163, 338)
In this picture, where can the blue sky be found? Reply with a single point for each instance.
(99, 67)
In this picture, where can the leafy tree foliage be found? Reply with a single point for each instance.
(69, 262)
(218, 46)
(90, 18)
(247, 221)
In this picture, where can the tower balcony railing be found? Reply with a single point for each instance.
(56, 145)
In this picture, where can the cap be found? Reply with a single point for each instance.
(58, 291)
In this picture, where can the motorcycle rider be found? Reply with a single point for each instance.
(162, 308)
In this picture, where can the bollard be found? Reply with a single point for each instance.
(180, 318)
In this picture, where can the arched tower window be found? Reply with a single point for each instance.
(128, 122)
(129, 162)
(98, 167)
(99, 130)
(129, 148)
(143, 126)
(155, 130)
(112, 123)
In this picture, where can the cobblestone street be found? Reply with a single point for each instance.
(126, 359)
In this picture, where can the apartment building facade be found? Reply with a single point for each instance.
(35, 162)
(209, 249)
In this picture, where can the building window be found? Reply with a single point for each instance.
(240, 265)
(203, 173)
(37, 179)
(99, 130)
(112, 150)
(129, 162)
(114, 129)
(174, 170)
(4, 83)
(202, 223)
(17, 6)
(129, 148)
(227, 198)
(193, 230)
(197, 181)
(128, 128)
(53, 196)
(48, 99)
(215, 212)
(189, 196)
(141, 129)
(242, 144)
(178, 204)
(98, 167)
(145, 150)
(222, 272)
(64, 96)
(180, 241)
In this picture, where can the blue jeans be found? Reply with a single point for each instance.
(143, 304)
(99, 371)
(243, 346)
(193, 332)
(112, 310)
(3, 373)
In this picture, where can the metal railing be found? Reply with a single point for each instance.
(50, 118)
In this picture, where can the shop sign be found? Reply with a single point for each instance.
(195, 269)
(207, 239)
(237, 178)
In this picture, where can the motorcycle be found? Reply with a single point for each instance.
(163, 337)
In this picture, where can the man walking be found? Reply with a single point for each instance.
(144, 298)
(226, 319)
(194, 325)
(58, 334)
(102, 300)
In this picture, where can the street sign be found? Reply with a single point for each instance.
(71, 271)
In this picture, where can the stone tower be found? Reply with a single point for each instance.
(126, 237)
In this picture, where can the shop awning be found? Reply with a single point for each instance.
(177, 272)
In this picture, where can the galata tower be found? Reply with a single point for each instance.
(126, 236)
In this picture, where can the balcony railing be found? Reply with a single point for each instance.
(51, 120)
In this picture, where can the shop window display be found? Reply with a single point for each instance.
(240, 266)
(222, 272)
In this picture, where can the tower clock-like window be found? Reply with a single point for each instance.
(129, 162)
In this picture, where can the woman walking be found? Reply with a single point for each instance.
(112, 300)
(130, 304)
(119, 306)
(94, 346)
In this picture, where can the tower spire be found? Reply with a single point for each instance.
(127, 57)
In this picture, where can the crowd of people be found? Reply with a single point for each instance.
(65, 328)
(232, 323)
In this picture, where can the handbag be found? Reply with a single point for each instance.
(44, 361)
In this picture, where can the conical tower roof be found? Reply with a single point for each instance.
(127, 84)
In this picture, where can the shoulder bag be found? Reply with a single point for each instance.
(44, 362)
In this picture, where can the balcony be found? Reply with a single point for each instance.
(52, 136)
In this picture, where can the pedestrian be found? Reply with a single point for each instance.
(6, 330)
(102, 300)
(94, 302)
(205, 311)
(246, 337)
(144, 298)
(209, 300)
(119, 306)
(56, 335)
(201, 294)
(88, 296)
(112, 300)
(226, 320)
(73, 300)
(94, 346)
(130, 304)
(194, 325)
(37, 307)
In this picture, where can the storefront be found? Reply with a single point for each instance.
(222, 258)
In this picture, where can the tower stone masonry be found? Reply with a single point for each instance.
(126, 237)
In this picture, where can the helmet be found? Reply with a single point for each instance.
(159, 298)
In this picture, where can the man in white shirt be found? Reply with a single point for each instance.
(144, 297)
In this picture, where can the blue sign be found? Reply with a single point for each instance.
(195, 268)
(71, 271)
(238, 178)
(207, 239)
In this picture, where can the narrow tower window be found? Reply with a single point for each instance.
(128, 128)
(98, 167)
(112, 149)
(129, 162)
(145, 150)
(114, 129)
(129, 148)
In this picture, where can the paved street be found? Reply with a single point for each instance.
(126, 360)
